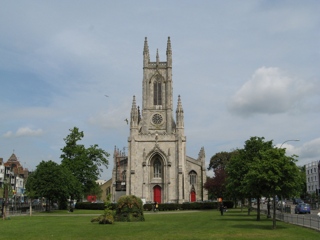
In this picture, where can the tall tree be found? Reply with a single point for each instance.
(303, 185)
(84, 163)
(240, 165)
(216, 185)
(52, 181)
(220, 160)
(262, 170)
(277, 174)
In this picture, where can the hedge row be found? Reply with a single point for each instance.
(161, 206)
(94, 206)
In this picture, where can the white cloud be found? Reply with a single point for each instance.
(8, 134)
(306, 153)
(24, 131)
(311, 149)
(270, 91)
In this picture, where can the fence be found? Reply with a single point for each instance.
(305, 220)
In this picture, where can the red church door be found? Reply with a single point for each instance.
(193, 196)
(157, 194)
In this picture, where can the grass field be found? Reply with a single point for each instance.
(162, 225)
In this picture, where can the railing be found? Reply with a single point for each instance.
(305, 220)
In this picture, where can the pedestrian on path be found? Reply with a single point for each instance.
(221, 209)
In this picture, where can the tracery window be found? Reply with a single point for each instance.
(157, 168)
(157, 97)
(193, 177)
(124, 176)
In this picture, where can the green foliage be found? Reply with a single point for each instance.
(202, 205)
(168, 206)
(108, 215)
(259, 169)
(220, 160)
(241, 163)
(94, 206)
(84, 163)
(216, 185)
(129, 209)
(278, 173)
(303, 185)
(52, 181)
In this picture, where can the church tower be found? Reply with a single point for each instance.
(158, 169)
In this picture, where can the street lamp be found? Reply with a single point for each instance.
(296, 140)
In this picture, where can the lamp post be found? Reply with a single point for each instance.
(295, 140)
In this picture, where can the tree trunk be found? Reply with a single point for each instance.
(274, 213)
(258, 209)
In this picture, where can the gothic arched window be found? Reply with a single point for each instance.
(157, 168)
(157, 97)
(193, 177)
(124, 173)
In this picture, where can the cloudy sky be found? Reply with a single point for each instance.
(242, 68)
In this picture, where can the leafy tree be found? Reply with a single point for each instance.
(239, 167)
(303, 185)
(216, 185)
(52, 181)
(277, 174)
(262, 170)
(220, 160)
(84, 163)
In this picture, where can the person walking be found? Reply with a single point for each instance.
(221, 209)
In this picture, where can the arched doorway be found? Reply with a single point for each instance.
(192, 196)
(157, 194)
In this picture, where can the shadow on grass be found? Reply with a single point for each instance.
(250, 221)
(256, 226)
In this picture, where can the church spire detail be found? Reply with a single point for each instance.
(169, 50)
(179, 114)
(134, 114)
(157, 58)
(146, 56)
(169, 53)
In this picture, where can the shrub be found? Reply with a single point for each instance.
(129, 209)
(168, 206)
(108, 215)
(95, 206)
(147, 207)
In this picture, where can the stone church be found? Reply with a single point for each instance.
(156, 167)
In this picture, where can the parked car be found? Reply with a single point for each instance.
(302, 208)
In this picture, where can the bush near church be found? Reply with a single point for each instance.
(161, 206)
(129, 209)
(94, 206)
(108, 214)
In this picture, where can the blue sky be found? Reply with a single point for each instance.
(242, 68)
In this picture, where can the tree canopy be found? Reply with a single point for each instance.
(260, 169)
(84, 163)
(216, 185)
(52, 181)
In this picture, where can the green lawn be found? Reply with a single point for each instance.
(163, 225)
